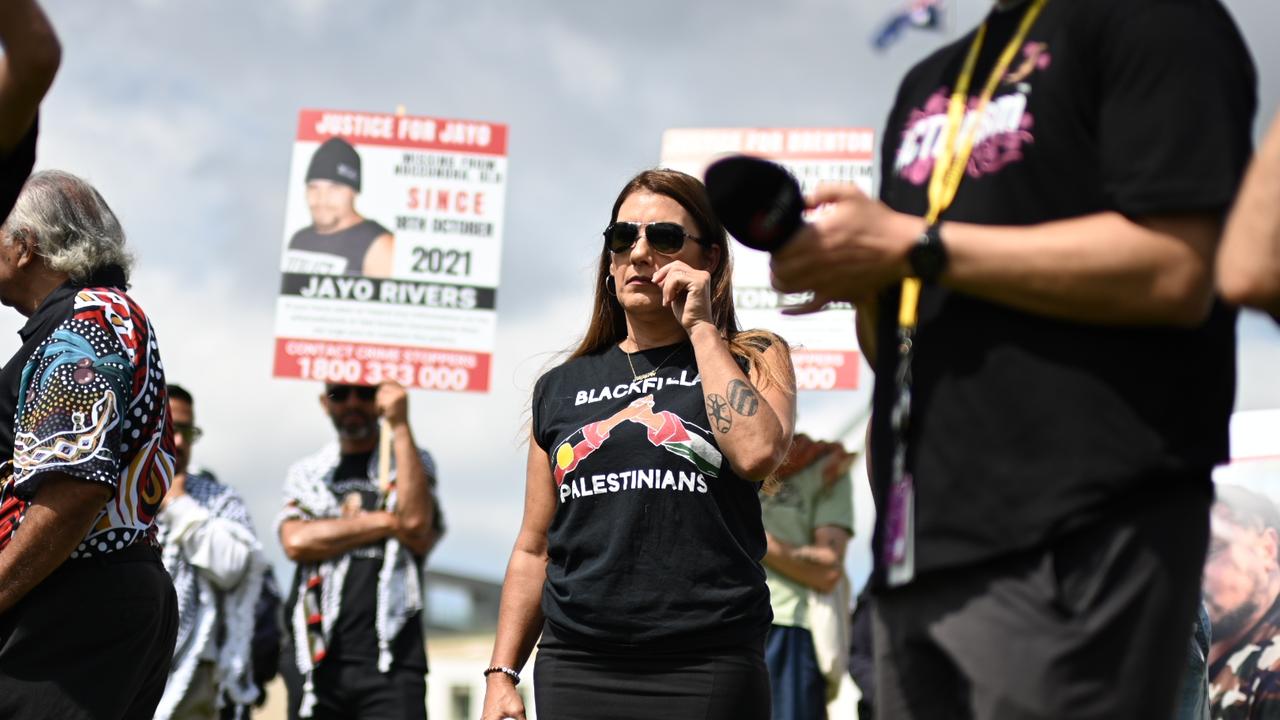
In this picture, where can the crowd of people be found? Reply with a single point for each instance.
(1043, 266)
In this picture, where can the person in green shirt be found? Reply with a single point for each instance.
(808, 524)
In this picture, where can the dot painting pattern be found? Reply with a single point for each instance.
(92, 404)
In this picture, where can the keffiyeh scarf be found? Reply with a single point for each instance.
(308, 496)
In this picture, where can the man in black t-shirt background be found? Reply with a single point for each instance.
(1073, 374)
(339, 241)
(356, 646)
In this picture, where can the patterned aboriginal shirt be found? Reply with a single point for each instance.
(1245, 684)
(91, 403)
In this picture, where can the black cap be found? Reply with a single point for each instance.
(336, 160)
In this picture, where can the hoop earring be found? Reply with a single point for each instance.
(611, 286)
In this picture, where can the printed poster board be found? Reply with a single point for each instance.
(391, 250)
(825, 343)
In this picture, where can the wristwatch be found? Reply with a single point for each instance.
(928, 257)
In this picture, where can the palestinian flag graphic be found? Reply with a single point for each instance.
(674, 437)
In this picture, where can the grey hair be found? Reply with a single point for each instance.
(73, 228)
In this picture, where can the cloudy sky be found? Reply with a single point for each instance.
(183, 114)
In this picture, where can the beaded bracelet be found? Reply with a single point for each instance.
(515, 676)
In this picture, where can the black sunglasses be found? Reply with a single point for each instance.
(340, 393)
(664, 237)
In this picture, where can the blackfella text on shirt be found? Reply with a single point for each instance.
(635, 387)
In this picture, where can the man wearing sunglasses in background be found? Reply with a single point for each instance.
(216, 563)
(356, 646)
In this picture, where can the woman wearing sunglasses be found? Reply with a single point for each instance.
(638, 559)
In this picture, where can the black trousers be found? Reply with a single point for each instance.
(352, 690)
(1096, 625)
(576, 683)
(93, 641)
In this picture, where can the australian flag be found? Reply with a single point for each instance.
(924, 14)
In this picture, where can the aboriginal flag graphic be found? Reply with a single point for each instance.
(576, 448)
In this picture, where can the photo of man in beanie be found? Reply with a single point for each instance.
(339, 241)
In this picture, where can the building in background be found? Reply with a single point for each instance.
(461, 618)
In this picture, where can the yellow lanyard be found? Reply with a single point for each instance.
(949, 167)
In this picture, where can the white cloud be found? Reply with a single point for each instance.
(584, 65)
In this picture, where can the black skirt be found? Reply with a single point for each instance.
(573, 681)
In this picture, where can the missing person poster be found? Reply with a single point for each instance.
(825, 343)
(392, 245)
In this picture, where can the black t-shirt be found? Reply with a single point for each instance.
(355, 636)
(656, 543)
(1023, 425)
(340, 253)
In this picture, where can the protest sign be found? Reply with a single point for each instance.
(392, 246)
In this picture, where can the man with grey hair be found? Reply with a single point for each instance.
(31, 57)
(88, 616)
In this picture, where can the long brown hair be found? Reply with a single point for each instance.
(608, 324)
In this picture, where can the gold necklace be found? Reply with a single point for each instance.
(656, 368)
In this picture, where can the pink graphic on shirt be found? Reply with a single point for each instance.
(1035, 56)
(1005, 126)
(1003, 129)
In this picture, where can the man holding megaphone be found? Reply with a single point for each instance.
(1054, 376)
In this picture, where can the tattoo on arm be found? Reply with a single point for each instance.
(742, 398)
(718, 412)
